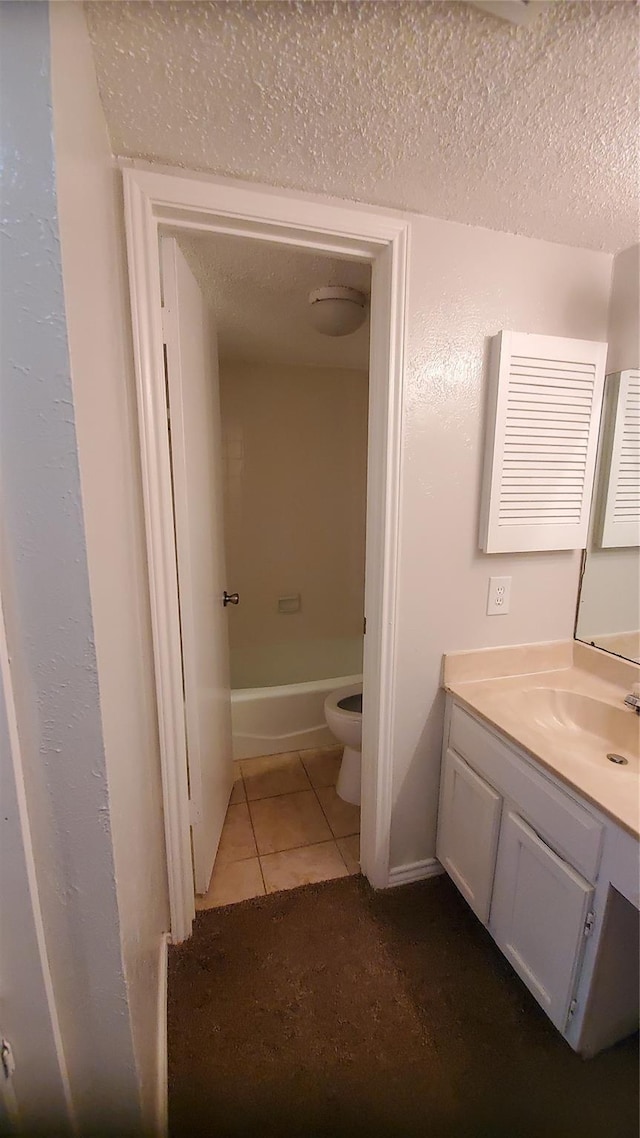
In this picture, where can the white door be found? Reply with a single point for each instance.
(468, 825)
(196, 456)
(538, 916)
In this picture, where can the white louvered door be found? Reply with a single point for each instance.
(621, 462)
(545, 398)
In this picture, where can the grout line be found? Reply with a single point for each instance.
(264, 884)
(341, 856)
(292, 849)
(246, 802)
(283, 794)
(305, 845)
(315, 790)
(255, 841)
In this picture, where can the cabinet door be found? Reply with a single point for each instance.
(468, 825)
(538, 915)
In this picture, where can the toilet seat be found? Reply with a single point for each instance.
(346, 725)
(333, 701)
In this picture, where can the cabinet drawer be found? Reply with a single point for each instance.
(567, 827)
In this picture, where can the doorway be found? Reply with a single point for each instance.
(154, 201)
(292, 433)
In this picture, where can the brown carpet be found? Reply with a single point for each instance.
(333, 1010)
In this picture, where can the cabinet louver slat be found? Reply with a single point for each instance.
(621, 462)
(545, 397)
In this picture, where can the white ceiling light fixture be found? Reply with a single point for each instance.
(337, 311)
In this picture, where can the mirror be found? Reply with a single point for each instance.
(608, 613)
(609, 602)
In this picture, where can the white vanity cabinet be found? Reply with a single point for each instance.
(526, 855)
(469, 822)
(539, 912)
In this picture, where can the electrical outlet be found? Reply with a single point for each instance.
(499, 596)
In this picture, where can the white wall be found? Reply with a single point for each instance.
(295, 499)
(95, 287)
(465, 284)
(624, 311)
(39, 1090)
(48, 614)
(610, 594)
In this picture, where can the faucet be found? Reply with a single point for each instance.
(633, 700)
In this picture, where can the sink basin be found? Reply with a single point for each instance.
(591, 726)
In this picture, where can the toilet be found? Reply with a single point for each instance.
(343, 714)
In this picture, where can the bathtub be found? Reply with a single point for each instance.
(266, 721)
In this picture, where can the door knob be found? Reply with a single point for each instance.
(230, 598)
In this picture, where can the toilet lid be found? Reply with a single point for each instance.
(351, 703)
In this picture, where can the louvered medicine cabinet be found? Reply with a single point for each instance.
(543, 416)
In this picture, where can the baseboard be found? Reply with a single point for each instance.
(415, 871)
(162, 1106)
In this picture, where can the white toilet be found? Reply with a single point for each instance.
(343, 713)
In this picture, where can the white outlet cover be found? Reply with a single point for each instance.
(499, 596)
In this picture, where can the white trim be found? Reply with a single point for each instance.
(415, 871)
(199, 202)
(161, 1128)
(144, 276)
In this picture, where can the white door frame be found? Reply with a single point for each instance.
(155, 198)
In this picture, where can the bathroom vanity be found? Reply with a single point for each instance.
(539, 829)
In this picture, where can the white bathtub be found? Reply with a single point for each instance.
(266, 721)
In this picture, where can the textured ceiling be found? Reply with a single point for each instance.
(258, 293)
(435, 106)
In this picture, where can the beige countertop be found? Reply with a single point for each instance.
(539, 709)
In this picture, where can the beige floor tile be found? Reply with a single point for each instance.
(236, 840)
(350, 850)
(286, 870)
(344, 818)
(238, 793)
(236, 881)
(288, 821)
(322, 765)
(271, 775)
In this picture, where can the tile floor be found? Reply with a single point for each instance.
(285, 826)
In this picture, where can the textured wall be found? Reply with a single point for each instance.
(295, 499)
(48, 613)
(432, 107)
(29, 1014)
(464, 286)
(95, 287)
